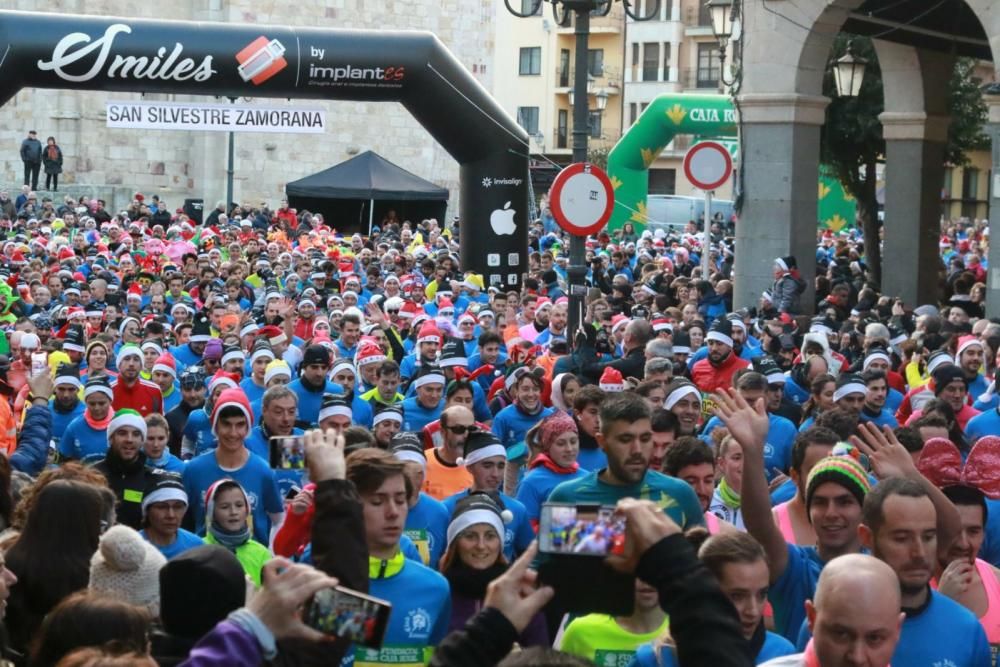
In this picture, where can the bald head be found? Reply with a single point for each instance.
(855, 614)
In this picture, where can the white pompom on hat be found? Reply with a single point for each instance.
(127, 567)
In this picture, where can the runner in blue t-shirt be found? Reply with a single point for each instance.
(86, 437)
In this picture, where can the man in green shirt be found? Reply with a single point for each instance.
(626, 436)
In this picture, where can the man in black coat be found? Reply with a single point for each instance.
(632, 364)
(31, 156)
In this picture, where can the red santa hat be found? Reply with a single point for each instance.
(611, 380)
(370, 353)
(662, 324)
(618, 321)
(429, 333)
(165, 363)
(232, 397)
(964, 343)
(408, 311)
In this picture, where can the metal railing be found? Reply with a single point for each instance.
(609, 77)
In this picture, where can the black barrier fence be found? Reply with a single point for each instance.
(113, 54)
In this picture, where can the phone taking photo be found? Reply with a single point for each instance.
(290, 451)
(582, 530)
(348, 614)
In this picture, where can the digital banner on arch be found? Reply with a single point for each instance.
(144, 115)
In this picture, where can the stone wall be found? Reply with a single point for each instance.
(177, 165)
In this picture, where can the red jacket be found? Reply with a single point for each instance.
(709, 378)
(144, 397)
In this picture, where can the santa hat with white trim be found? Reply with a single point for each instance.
(429, 333)
(125, 418)
(477, 508)
(277, 368)
(164, 488)
(388, 413)
(232, 397)
(76, 339)
(480, 445)
(849, 384)
(261, 348)
(100, 384)
(221, 377)
(453, 354)
(612, 380)
(165, 362)
(232, 353)
(128, 350)
(964, 343)
(370, 353)
(201, 332)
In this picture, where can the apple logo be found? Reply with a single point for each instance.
(502, 220)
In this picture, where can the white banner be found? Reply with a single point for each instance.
(214, 117)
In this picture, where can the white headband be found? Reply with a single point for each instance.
(232, 354)
(162, 496)
(468, 519)
(848, 389)
(334, 411)
(719, 337)
(261, 352)
(679, 393)
(387, 415)
(68, 379)
(477, 455)
(98, 389)
(873, 356)
(410, 455)
(430, 378)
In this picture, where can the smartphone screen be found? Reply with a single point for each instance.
(39, 363)
(585, 530)
(342, 612)
(289, 452)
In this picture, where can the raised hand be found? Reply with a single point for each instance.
(515, 593)
(288, 586)
(325, 455)
(887, 455)
(645, 525)
(956, 578)
(748, 424)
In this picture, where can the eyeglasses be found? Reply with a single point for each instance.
(459, 429)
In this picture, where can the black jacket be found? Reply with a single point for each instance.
(129, 480)
(632, 364)
(703, 622)
(31, 151)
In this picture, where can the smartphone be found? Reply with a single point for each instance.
(348, 614)
(581, 530)
(292, 492)
(39, 364)
(289, 452)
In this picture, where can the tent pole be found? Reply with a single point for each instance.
(371, 214)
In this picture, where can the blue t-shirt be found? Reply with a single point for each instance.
(592, 460)
(518, 534)
(775, 646)
(674, 496)
(785, 492)
(185, 540)
(795, 585)
(990, 550)
(61, 420)
(511, 424)
(427, 527)
(778, 448)
(421, 614)
(416, 416)
(167, 462)
(81, 442)
(310, 401)
(254, 391)
(256, 478)
(173, 399)
(259, 444)
(536, 486)
(198, 431)
(987, 423)
(883, 418)
(184, 357)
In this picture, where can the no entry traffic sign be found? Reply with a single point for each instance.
(582, 198)
(707, 165)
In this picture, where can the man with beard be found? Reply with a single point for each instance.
(132, 392)
(626, 436)
(533, 329)
(190, 353)
(65, 404)
(558, 317)
(777, 402)
(193, 390)
(632, 363)
(717, 370)
(311, 384)
(970, 357)
(876, 391)
(125, 467)
(444, 476)
(899, 528)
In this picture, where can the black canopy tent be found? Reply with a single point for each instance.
(359, 192)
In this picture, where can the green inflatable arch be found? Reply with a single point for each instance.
(665, 117)
(707, 117)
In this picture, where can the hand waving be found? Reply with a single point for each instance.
(747, 424)
(325, 455)
(887, 455)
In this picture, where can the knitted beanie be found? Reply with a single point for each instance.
(843, 470)
(199, 588)
(127, 567)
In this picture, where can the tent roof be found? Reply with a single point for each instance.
(366, 176)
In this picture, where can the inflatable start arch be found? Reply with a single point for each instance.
(226, 60)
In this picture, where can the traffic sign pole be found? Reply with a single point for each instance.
(706, 248)
(707, 166)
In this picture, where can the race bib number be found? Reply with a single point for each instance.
(421, 540)
(613, 658)
(401, 656)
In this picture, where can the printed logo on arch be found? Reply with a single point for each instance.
(261, 59)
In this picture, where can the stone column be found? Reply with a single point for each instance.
(780, 138)
(915, 144)
(993, 276)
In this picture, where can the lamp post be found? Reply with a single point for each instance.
(723, 14)
(849, 73)
(580, 11)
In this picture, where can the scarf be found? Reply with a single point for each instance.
(160, 462)
(586, 441)
(231, 540)
(97, 424)
(533, 413)
(544, 460)
(53, 152)
(470, 582)
(730, 498)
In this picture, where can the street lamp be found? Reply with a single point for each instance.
(724, 13)
(849, 73)
(602, 100)
(583, 84)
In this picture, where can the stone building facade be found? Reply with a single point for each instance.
(178, 165)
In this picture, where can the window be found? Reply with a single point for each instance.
(562, 132)
(531, 60)
(564, 68)
(948, 177)
(709, 70)
(527, 117)
(650, 60)
(666, 62)
(631, 113)
(595, 124)
(528, 7)
(970, 183)
(595, 62)
(704, 15)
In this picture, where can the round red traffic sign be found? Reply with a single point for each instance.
(708, 165)
(582, 198)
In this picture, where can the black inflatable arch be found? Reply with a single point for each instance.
(193, 58)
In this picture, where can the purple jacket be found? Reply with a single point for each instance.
(463, 608)
(227, 645)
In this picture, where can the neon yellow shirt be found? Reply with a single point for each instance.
(599, 638)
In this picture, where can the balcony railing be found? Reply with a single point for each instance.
(609, 78)
(701, 79)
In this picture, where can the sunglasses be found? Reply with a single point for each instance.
(460, 429)
(393, 312)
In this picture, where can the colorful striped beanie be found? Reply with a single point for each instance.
(843, 470)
